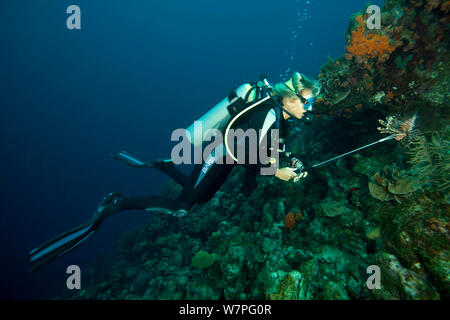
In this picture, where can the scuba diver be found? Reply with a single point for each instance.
(257, 106)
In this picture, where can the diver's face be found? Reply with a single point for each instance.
(294, 105)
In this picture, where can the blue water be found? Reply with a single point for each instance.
(135, 71)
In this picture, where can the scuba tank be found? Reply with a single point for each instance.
(226, 110)
(216, 118)
(225, 113)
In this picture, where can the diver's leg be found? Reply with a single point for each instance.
(204, 182)
(167, 167)
(110, 205)
(74, 237)
(164, 165)
(160, 204)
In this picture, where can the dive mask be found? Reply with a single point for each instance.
(308, 103)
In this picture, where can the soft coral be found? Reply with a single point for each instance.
(371, 45)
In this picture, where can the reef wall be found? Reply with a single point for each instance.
(386, 206)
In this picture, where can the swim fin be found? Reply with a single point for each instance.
(74, 237)
(62, 244)
(130, 159)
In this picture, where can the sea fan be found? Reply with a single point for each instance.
(430, 159)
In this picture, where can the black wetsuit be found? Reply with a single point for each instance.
(200, 187)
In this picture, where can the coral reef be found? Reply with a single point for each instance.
(393, 69)
(373, 45)
(387, 205)
(430, 159)
(392, 185)
(202, 260)
(290, 220)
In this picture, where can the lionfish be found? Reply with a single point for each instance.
(400, 128)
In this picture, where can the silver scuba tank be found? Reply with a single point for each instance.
(216, 118)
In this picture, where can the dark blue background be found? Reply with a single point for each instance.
(136, 71)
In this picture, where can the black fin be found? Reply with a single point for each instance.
(61, 244)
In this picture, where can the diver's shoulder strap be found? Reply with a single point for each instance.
(239, 102)
(247, 96)
(232, 95)
(237, 106)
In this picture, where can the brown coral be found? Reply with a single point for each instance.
(291, 219)
(379, 192)
(402, 186)
(396, 185)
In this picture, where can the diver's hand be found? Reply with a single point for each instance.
(301, 176)
(286, 173)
